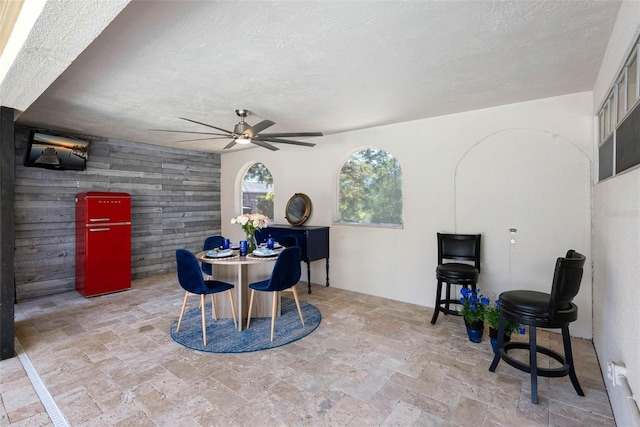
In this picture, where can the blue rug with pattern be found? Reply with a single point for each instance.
(223, 337)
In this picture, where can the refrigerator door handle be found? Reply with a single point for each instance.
(99, 229)
(99, 219)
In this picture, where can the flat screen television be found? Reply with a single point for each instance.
(56, 152)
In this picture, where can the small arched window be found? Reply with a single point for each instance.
(370, 189)
(257, 190)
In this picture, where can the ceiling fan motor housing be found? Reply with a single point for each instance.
(241, 128)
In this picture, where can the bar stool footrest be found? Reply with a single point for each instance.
(543, 372)
(442, 307)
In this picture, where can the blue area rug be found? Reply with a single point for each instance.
(223, 337)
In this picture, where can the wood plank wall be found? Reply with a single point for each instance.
(175, 203)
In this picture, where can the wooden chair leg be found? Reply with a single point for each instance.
(204, 320)
(295, 296)
(214, 312)
(184, 304)
(273, 312)
(233, 309)
(253, 291)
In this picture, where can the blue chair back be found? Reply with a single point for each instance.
(286, 273)
(211, 242)
(189, 274)
(288, 241)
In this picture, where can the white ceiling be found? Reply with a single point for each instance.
(329, 66)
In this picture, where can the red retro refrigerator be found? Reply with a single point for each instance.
(103, 242)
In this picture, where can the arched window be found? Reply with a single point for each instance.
(370, 189)
(257, 190)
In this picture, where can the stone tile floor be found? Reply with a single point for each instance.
(109, 361)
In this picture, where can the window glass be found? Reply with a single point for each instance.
(612, 111)
(622, 93)
(605, 157)
(257, 190)
(632, 82)
(627, 147)
(370, 188)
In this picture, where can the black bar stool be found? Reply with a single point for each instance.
(542, 310)
(456, 247)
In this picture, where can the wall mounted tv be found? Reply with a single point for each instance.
(56, 152)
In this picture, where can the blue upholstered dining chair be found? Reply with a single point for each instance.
(191, 280)
(288, 241)
(211, 242)
(285, 275)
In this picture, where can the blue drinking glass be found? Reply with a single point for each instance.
(243, 247)
(226, 244)
(270, 242)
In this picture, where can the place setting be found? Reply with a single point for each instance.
(268, 249)
(222, 254)
(227, 250)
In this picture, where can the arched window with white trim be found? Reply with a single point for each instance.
(257, 190)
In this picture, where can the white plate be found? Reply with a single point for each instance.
(214, 254)
(262, 254)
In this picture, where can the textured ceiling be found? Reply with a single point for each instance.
(319, 66)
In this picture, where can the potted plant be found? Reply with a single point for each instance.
(473, 311)
(492, 316)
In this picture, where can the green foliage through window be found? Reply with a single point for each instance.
(370, 188)
(260, 173)
(257, 192)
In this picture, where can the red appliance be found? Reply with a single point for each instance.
(103, 242)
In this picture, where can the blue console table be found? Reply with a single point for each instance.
(314, 242)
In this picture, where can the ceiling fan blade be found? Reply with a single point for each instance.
(186, 131)
(204, 124)
(264, 144)
(287, 141)
(291, 135)
(202, 139)
(229, 145)
(255, 129)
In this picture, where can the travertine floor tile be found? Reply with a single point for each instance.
(110, 361)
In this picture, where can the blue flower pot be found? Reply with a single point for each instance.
(475, 335)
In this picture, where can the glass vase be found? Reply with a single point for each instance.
(251, 241)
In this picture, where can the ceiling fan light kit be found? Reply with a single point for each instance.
(244, 133)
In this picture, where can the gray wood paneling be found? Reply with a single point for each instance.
(175, 203)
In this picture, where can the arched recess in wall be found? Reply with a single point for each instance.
(536, 183)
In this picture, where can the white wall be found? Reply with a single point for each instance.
(538, 184)
(616, 241)
(400, 263)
